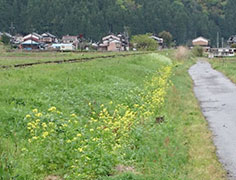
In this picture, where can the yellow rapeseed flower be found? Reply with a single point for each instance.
(38, 114)
(73, 115)
(45, 134)
(44, 125)
(52, 109)
(65, 125)
(80, 149)
(35, 138)
(28, 116)
(35, 111)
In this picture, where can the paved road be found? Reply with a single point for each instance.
(217, 97)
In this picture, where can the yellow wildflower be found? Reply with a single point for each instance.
(45, 134)
(44, 125)
(28, 116)
(65, 125)
(52, 109)
(35, 111)
(51, 123)
(73, 115)
(79, 135)
(80, 149)
(35, 138)
(38, 114)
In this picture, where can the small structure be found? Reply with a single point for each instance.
(64, 47)
(18, 39)
(200, 41)
(221, 52)
(30, 45)
(114, 43)
(158, 40)
(232, 40)
(48, 38)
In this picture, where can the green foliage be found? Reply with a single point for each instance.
(144, 42)
(167, 37)
(233, 46)
(5, 39)
(197, 51)
(184, 19)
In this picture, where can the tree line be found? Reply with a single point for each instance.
(184, 19)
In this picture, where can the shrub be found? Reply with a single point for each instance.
(182, 53)
(144, 42)
(167, 38)
(197, 51)
(5, 39)
(233, 46)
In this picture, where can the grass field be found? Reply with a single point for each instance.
(116, 119)
(8, 58)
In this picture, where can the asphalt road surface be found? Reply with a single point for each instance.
(217, 97)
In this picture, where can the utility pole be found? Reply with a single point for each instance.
(11, 28)
(217, 40)
(222, 41)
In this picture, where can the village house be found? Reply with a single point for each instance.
(71, 39)
(31, 41)
(30, 45)
(221, 52)
(48, 38)
(200, 41)
(33, 36)
(17, 39)
(114, 43)
(231, 40)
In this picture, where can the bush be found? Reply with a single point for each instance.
(167, 38)
(144, 42)
(197, 51)
(233, 46)
(182, 53)
(5, 39)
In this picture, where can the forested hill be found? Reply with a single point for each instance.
(185, 19)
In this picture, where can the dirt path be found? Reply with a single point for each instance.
(217, 97)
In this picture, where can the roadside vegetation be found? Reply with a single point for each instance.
(124, 118)
(226, 66)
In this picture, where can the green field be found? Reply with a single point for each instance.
(117, 118)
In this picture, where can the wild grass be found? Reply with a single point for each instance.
(225, 65)
(182, 53)
(173, 143)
